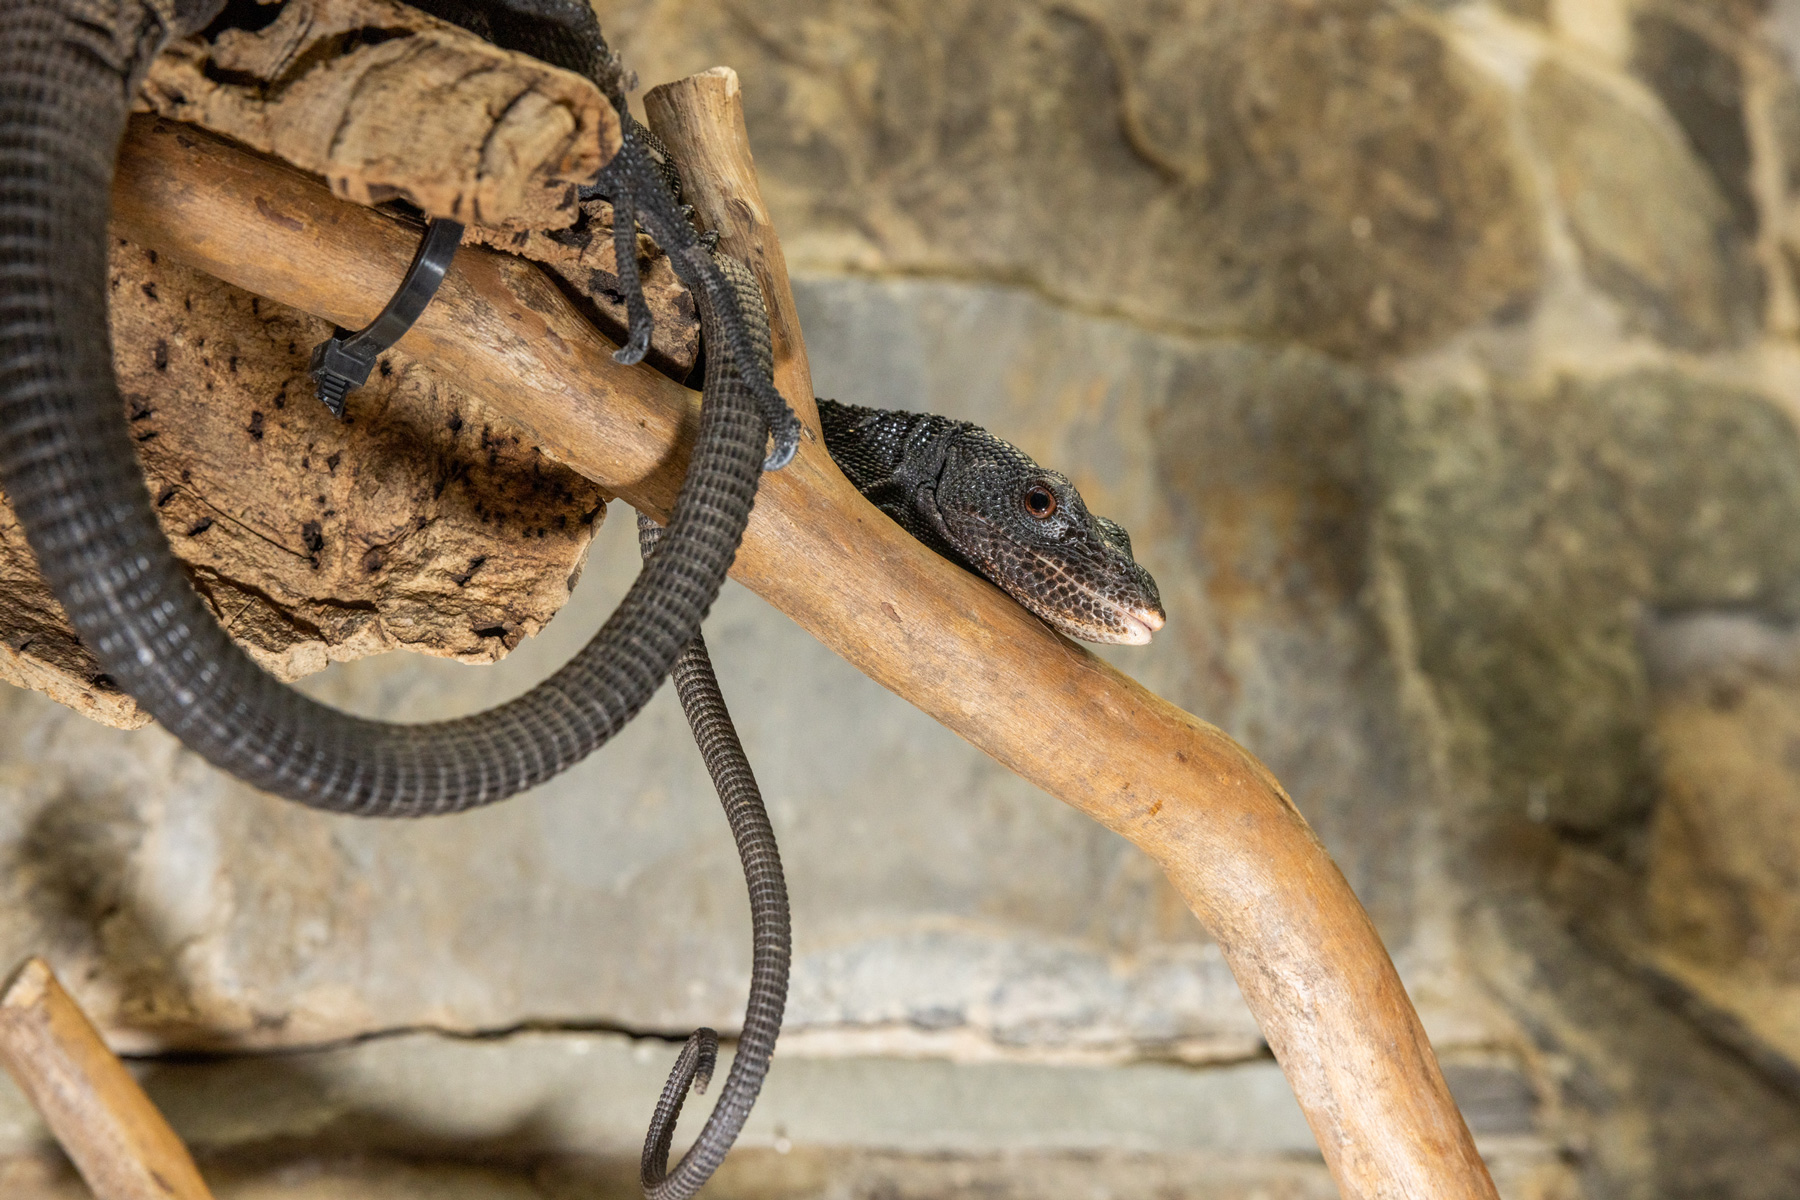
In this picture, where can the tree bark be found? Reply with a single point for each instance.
(388, 103)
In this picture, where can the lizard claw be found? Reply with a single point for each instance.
(787, 441)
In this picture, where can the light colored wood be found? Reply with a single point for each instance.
(110, 1130)
(425, 111)
(582, 256)
(1309, 962)
(718, 177)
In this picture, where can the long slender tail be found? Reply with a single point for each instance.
(701, 699)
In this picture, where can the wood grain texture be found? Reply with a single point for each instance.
(1309, 962)
(385, 102)
(116, 1138)
(582, 255)
(718, 177)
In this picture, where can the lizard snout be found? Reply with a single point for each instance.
(1139, 625)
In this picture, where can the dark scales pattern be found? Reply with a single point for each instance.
(962, 491)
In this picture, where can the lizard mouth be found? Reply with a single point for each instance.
(1136, 626)
(1104, 622)
(1112, 601)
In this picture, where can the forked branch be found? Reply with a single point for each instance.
(1306, 957)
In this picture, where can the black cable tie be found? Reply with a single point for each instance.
(343, 361)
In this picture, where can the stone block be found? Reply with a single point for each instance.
(1214, 168)
(1723, 873)
(1533, 529)
(1653, 229)
(1701, 84)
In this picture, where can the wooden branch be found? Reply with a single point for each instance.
(704, 115)
(110, 1130)
(582, 255)
(1306, 957)
(386, 103)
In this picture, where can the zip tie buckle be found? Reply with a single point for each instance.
(342, 362)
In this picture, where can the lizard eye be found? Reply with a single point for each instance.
(1040, 501)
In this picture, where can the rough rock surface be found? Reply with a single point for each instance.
(1475, 518)
(1329, 173)
(1723, 873)
(1533, 531)
(1674, 257)
(1691, 67)
(420, 522)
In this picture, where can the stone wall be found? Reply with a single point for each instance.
(1442, 359)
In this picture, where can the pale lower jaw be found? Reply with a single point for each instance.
(1131, 630)
(1137, 631)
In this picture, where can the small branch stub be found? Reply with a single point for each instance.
(116, 1138)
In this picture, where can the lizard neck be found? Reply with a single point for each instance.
(880, 446)
(895, 459)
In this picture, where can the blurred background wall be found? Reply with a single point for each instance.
(1442, 360)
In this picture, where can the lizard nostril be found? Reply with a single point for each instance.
(1040, 501)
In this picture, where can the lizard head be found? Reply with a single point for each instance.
(1027, 529)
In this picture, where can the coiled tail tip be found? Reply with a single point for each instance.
(706, 1057)
(693, 1069)
(637, 345)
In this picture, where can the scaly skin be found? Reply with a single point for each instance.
(982, 502)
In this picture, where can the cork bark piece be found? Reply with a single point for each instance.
(421, 522)
(388, 103)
